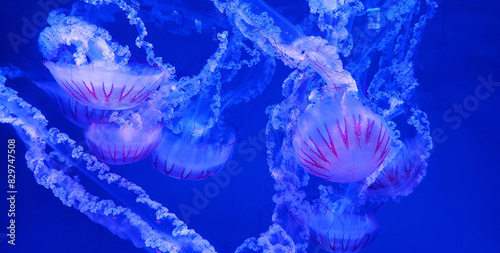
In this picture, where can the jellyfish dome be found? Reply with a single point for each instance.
(101, 88)
(114, 144)
(127, 136)
(93, 69)
(76, 112)
(339, 139)
(194, 159)
(402, 174)
(200, 142)
(202, 149)
(341, 228)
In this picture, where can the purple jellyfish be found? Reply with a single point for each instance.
(203, 148)
(339, 139)
(124, 139)
(106, 89)
(341, 228)
(403, 173)
(93, 69)
(78, 113)
(200, 143)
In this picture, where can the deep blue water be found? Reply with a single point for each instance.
(454, 209)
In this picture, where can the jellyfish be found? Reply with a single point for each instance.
(341, 226)
(203, 143)
(98, 78)
(127, 137)
(93, 69)
(76, 112)
(402, 174)
(340, 140)
(198, 152)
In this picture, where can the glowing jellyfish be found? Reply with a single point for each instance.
(199, 151)
(124, 139)
(403, 173)
(201, 143)
(341, 228)
(340, 140)
(78, 113)
(93, 69)
(102, 88)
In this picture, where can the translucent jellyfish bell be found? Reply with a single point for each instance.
(200, 144)
(93, 69)
(186, 157)
(402, 174)
(78, 113)
(106, 89)
(203, 148)
(339, 139)
(124, 139)
(339, 227)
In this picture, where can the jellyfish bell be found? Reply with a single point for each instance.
(106, 89)
(196, 154)
(124, 138)
(76, 112)
(339, 139)
(114, 144)
(203, 147)
(403, 173)
(193, 159)
(92, 68)
(341, 226)
(201, 143)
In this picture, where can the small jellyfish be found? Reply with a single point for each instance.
(124, 139)
(201, 143)
(402, 174)
(340, 140)
(340, 227)
(192, 159)
(203, 148)
(76, 112)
